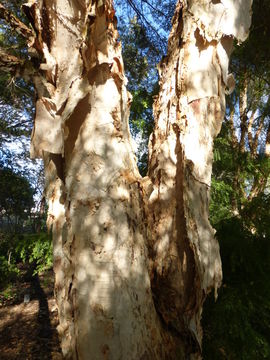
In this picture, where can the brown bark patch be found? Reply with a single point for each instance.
(75, 122)
(105, 351)
(46, 26)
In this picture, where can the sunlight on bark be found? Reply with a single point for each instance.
(134, 258)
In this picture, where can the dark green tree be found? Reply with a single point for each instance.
(237, 326)
(16, 199)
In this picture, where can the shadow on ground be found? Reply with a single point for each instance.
(28, 330)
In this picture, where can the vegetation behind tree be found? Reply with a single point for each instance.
(237, 325)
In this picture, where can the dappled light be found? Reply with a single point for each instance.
(104, 277)
(135, 256)
(28, 329)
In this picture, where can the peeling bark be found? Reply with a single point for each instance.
(96, 205)
(189, 112)
(15, 23)
(133, 258)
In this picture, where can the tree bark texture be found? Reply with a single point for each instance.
(133, 257)
(189, 112)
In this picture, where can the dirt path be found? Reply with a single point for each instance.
(28, 330)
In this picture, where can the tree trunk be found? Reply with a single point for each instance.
(133, 258)
(189, 113)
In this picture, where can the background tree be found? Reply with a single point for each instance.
(17, 96)
(237, 326)
(16, 200)
(17, 224)
(140, 58)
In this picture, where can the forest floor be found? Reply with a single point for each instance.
(28, 319)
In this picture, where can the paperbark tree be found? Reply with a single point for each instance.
(133, 257)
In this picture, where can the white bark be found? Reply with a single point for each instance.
(95, 198)
(189, 112)
(118, 237)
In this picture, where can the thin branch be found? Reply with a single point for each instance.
(258, 186)
(143, 18)
(153, 8)
(254, 74)
(15, 23)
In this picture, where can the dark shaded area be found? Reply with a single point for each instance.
(28, 330)
(45, 331)
(237, 325)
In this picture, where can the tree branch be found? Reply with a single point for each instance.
(153, 7)
(250, 126)
(9, 63)
(267, 143)
(18, 67)
(232, 130)
(256, 138)
(143, 19)
(15, 23)
(243, 113)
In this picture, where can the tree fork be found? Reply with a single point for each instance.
(133, 258)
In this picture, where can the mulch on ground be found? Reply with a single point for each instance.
(28, 329)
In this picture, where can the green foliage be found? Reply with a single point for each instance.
(237, 326)
(16, 199)
(220, 205)
(35, 248)
(255, 52)
(14, 91)
(140, 57)
(154, 17)
(141, 122)
(135, 57)
(16, 95)
(231, 165)
(257, 217)
(235, 330)
(8, 271)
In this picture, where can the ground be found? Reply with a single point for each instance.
(28, 329)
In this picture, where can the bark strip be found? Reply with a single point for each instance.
(188, 116)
